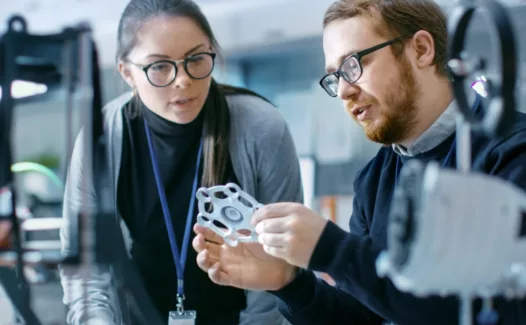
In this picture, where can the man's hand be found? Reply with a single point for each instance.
(245, 266)
(289, 231)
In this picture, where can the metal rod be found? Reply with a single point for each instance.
(466, 310)
(86, 98)
(68, 86)
(51, 257)
(41, 224)
(42, 245)
(11, 44)
(463, 139)
(86, 215)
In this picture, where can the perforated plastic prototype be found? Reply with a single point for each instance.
(228, 210)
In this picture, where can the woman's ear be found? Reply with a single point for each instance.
(126, 74)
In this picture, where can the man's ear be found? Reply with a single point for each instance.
(424, 46)
(126, 74)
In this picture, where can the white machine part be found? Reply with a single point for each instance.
(454, 233)
(227, 210)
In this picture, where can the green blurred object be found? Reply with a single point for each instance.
(47, 159)
(27, 166)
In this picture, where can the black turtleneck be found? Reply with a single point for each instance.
(176, 147)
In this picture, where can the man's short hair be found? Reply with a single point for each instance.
(398, 18)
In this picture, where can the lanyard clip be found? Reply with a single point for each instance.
(180, 305)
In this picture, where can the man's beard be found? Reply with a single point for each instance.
(397, 120)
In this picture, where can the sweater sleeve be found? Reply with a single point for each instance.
(310, 300)
(350, 259)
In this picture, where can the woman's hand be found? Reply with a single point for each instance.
(245, 266)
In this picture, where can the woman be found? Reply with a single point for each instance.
(177, 116)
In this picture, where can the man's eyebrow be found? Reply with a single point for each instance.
(330, 69)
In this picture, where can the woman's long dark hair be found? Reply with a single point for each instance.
(217, 117)
(217, 132)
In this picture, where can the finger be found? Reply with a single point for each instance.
(275, 226)
(213, 249)
(200, 244)
(208, 234)
(274, 240)
(205, 261)
(218, 276)
(274, 210)
(278, 252)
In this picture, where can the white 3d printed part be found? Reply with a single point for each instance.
(227, 206)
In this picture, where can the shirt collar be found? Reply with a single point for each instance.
(440, 130)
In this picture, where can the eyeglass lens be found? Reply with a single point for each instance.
(198, 66)
(350, 70)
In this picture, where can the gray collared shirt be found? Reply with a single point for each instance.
(440, 130)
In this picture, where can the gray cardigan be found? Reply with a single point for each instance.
(265, 163)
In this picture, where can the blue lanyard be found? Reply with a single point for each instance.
(180, 260)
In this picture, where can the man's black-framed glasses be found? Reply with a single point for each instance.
(162, 73)
(351, 68)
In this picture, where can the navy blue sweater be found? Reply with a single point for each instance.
(349, 258)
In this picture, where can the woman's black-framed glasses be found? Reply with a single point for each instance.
(162, 73)
(351, 68)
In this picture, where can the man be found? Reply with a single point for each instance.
(386, 61)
